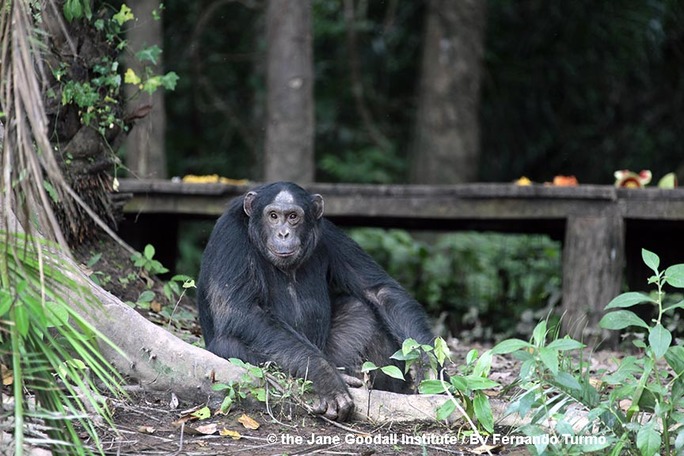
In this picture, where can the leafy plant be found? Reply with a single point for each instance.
(473, 276)
(96, 96)
(656, 396)
(465, 389)
(637, 409)
(46, 345)
(242, 388)
(146, 262)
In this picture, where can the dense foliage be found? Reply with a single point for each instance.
(491, 285)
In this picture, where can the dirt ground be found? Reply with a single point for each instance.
(153, 424)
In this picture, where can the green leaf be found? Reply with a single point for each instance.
(565, 343)
(431, 387)
(393, 371)
(674, 275)
(146, 296)
(483, 411)
(5, 302)
(459, 383)
(484, 364)
(124, 15)
(149, 251)
(679, 305)
(202, 414)
(568, 381)
(441, 350)
(675, 358)
(21, 319)
(539, 333)
(621, 319)
(628, 300)
(150, 54)
(509, 346)
(648, 439)
(550, 359)
(660, 339)
(651, 260)
(475, 382)
(169, 80)
(368, 367)
(445, 410)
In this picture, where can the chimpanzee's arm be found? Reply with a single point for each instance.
(249, 324)
(353, 271)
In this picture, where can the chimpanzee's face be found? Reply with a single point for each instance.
(287, 235)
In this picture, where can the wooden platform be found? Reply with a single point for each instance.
(600, 225)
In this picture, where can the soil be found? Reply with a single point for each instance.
(152, 424)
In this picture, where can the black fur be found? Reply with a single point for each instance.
(327, 306)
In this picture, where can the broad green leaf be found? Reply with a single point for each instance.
(169, 80)
(679, 441)
(550, 359)
(441, 350)
(471, 356)
(431, 387)
(149, 251)
(648, 439)
(445, 410)
(660, 339)
(483, 411)
(651, 260)
(259, 394)
(368, 367)
(621, 319)
(392, 371)
(124, 15)
(565, 343)
(509, 346)
(675, 358)
(483, 364)
(475, 382)
(539, 333)
(146, 296)
(568, 381)
(679, 305)
(151, 54)
(202, 414)
(628, 300)
(459, 383)
(674, 275)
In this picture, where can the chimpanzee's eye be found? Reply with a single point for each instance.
(273, 215)
(293, 217)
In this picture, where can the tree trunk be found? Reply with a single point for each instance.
(289, 148)
(145, 153)
(593, 261)
(445, 148)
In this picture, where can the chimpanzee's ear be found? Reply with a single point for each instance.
(317, 201)
(247, 203)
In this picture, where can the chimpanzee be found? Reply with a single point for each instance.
(279, 282)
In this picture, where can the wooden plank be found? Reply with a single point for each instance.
(456, 202)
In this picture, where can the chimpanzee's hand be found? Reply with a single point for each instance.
(351, 381)
(337, 406)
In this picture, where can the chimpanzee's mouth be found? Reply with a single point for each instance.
(286, 254)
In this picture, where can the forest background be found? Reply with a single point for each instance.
(435, 92)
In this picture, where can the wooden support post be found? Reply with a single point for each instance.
(593, 263)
